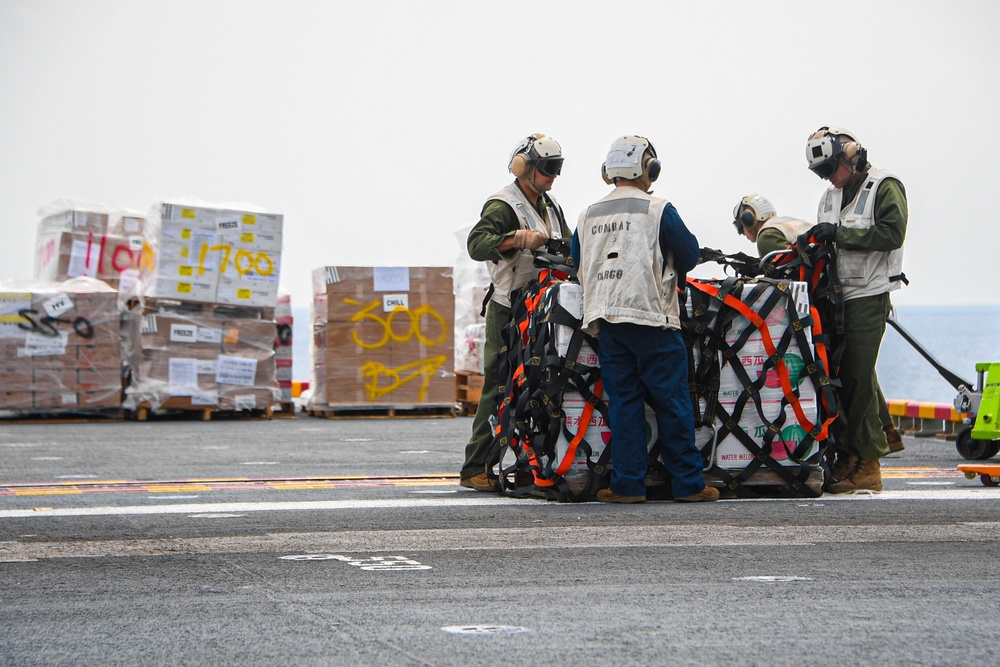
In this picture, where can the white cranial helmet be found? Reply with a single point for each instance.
(829, 146)
(752, 210)
(536, 151)
(633, 158)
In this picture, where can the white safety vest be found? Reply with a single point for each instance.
(862, 272)
(790, 227)
(510, 274)
(624, 274)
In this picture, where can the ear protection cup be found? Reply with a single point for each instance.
(604, 174)
(520, 163)
(652, 169)
(747, 219)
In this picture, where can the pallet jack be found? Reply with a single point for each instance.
(980, 439)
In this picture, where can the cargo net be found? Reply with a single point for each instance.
(551, 431)
(759, 384)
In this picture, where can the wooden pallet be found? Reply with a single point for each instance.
(468, 391)
(381, 412)
(147, 413)
(95, 416)
(285, 410)
(768, 483)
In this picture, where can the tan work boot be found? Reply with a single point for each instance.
(866, 476)
(609, 496)
(842, 466)
(706, 495)
(480, 482)
(893, 437)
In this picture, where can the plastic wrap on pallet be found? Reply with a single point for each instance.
(60, 347)
(472, 280)
(76, 238)
(202, 356)
(212, 253)
(383, 337)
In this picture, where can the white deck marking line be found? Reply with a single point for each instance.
(412, 541)
(464, 499)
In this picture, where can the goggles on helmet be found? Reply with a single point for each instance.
(826, 168)
(549, 166)
(823, 154)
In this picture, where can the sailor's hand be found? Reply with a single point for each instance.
(529, 239)
(823, 232)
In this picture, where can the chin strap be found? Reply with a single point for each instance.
(531, 183)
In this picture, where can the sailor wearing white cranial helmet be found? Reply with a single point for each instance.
(864, 215)
(632, 251)
(536, 153)
(518, 219)
(632, 158)
(756, 218)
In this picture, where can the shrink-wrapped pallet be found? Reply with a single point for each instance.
(60, 349)
(202, 357)
(212, 254)
(383, 337)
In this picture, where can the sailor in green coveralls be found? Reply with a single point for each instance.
(864, 214)
(515, 221)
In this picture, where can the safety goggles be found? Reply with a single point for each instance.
(826, 168)
(549, 166)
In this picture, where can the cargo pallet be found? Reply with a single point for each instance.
(767, 483)
(61, 416)
(146, 413)
(381, 411)
(285, 410)
(468, 391)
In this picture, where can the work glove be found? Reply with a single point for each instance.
(822, 233)
(529, 239)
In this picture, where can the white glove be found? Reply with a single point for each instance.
(529, 239)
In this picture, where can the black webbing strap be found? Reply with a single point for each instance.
(712, 335)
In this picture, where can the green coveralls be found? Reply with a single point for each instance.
(497, 222)
(772, 239)
(863, 412)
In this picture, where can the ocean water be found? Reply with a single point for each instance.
(957, 336)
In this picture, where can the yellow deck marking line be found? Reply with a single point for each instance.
(227, 484)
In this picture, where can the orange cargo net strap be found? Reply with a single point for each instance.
(743, 309)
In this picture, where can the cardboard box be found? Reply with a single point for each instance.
(63, 255)
(75, 221)
(242, 249)
(16, 400)
(99, 399)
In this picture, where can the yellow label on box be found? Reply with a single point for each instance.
(188, 213)
(246, 237)
(243, 293)
(184, 288)
(249, 219)
(185, 271)
(185, 233)
(185, 252)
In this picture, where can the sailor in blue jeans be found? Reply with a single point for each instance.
(658, 359)
(631, 250)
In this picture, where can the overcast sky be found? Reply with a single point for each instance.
(379, 128)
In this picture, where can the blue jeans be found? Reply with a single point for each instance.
(637, 361)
